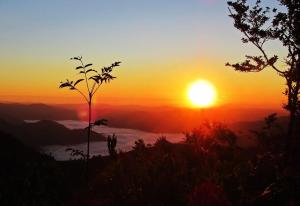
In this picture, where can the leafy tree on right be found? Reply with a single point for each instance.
(261, 25)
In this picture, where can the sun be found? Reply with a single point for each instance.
(202, 94)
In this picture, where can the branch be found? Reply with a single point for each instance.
(69, 84)
(105, 76)
(86, 99)
(268, 60)
(85, 76)
(250, 28)
(96, 88)
(263, 52)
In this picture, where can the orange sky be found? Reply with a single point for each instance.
(162, 51)
(147, 88)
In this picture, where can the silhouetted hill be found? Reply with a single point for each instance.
(47, 132)
(28, 177)
(248, 126)
(147, 118)
(10, 148)
(246, 129)
(176, 119)
(13, 112)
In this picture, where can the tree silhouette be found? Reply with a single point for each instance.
(93, 80)
(260, 25)
(111, 145)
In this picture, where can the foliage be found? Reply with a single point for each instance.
(76, 153)
(208, 194)
(208, 168)
(100, 122)
(111, 145)
(261, 25)
(271, 136)
(92, 78)
(163, 144)
(139, 145)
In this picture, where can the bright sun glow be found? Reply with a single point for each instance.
(202, 94)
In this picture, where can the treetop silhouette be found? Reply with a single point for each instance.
(261, 25)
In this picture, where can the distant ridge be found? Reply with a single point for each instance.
(47, 132)
(176, 119)
(15, 111)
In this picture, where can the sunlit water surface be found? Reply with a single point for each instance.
(126, 139)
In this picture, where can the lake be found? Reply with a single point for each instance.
(126, 139)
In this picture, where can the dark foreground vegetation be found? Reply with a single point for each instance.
(207, 169)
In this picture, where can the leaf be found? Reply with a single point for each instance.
(116, 64)
(65, 84)
(88, 65)
(76, 58)
(62, 85)
(108, 77)
(273, 60)
(79, 80)
(100, 122)
(95, 78)
(79, 67)
(90, 70)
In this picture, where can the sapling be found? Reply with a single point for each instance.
(93, 79)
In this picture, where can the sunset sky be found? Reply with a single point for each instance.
(164, 46)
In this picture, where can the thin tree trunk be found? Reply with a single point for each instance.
(291, 144)
(88, 140)
(291, 126)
